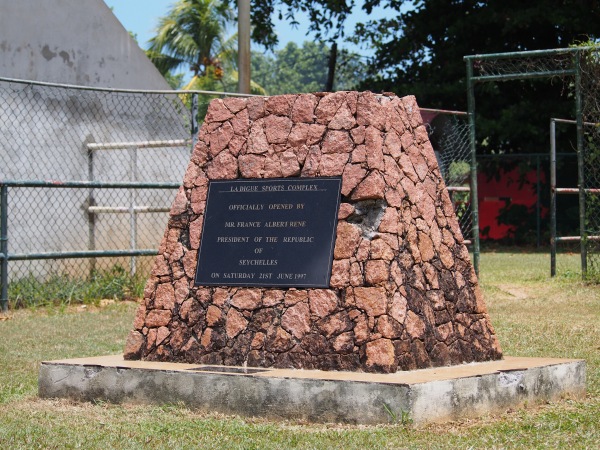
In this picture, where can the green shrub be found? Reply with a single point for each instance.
(59, 290)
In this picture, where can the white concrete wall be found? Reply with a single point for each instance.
(43, 136)
(43, 131)
(73, 42)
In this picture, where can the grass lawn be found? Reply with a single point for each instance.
(533, 315)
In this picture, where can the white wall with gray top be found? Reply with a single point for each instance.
(44, 130)
(71, 42)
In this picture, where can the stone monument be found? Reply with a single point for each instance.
(393, 288)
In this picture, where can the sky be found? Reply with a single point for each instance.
(141, 18)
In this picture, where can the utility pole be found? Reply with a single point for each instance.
(244, 46)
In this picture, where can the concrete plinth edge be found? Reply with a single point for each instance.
(428, 395)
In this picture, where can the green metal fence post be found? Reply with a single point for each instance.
(474, 199)
(580, 163)
(91, 201)
(538, 208)
(552, 197)
(4, 246)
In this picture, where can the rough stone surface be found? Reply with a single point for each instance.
(403, 293)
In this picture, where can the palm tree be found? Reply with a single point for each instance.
(193, 34)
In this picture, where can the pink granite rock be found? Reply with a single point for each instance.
(381, 250)
(248, 299)
(340, 273)
(279, 342)
(140, 317)
(157, 318)
(273, 297)
(322, 301)
(389, 221)
(223, 167)
(372, 300)
(376, 271)
(134, 345)
(337, 141)
(219, 139)
(237, 145)
(353, 175)
(256, 108)
(372, 187)
(198, 199)
(380, 355)
(368, 111)
(235, 323)
(402, 292)
(189, 262)
(218, 112)
(328, 107)
(358, 135)
(280, 105)
(289, 164)
(294, 296)
(425, 247)
(277, 129)
(374, 142)
(398, 308)
(356, 275)
(347, 240)
(165, 296)
(335, 324)
(343, 119)
(296, 320)
(220, 296)
(345, 210)
(389, 328)
(235, 104)
(414, 325)
(180, 203)
(298, 135)
(303, 110)
(213, 315)
(252, 166)
(315, 134)
(272, 166)
(195, 232)
(344, 343)
(161, 334)
(332, 164)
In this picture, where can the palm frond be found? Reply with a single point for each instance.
(193, 33)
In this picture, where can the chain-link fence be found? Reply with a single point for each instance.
(87, 175)
(579, 70)
(564, 224)
(115, 159)
(514, 198)
(449, 135)
(589, 81)
(59, 133)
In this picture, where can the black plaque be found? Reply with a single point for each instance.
(269, 232)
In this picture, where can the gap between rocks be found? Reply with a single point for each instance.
(367, 216)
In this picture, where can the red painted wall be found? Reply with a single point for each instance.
(493, 194)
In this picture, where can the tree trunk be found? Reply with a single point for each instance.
(331, 67)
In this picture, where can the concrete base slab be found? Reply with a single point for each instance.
(428, 395)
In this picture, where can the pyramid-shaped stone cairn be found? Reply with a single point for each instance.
(402, 293)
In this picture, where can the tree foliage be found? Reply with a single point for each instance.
(304, 69)
(326, 24)
(193, 35)
(420, 51)
(326, 18)
(420, 44)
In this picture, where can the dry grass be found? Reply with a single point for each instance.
(533, 315)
